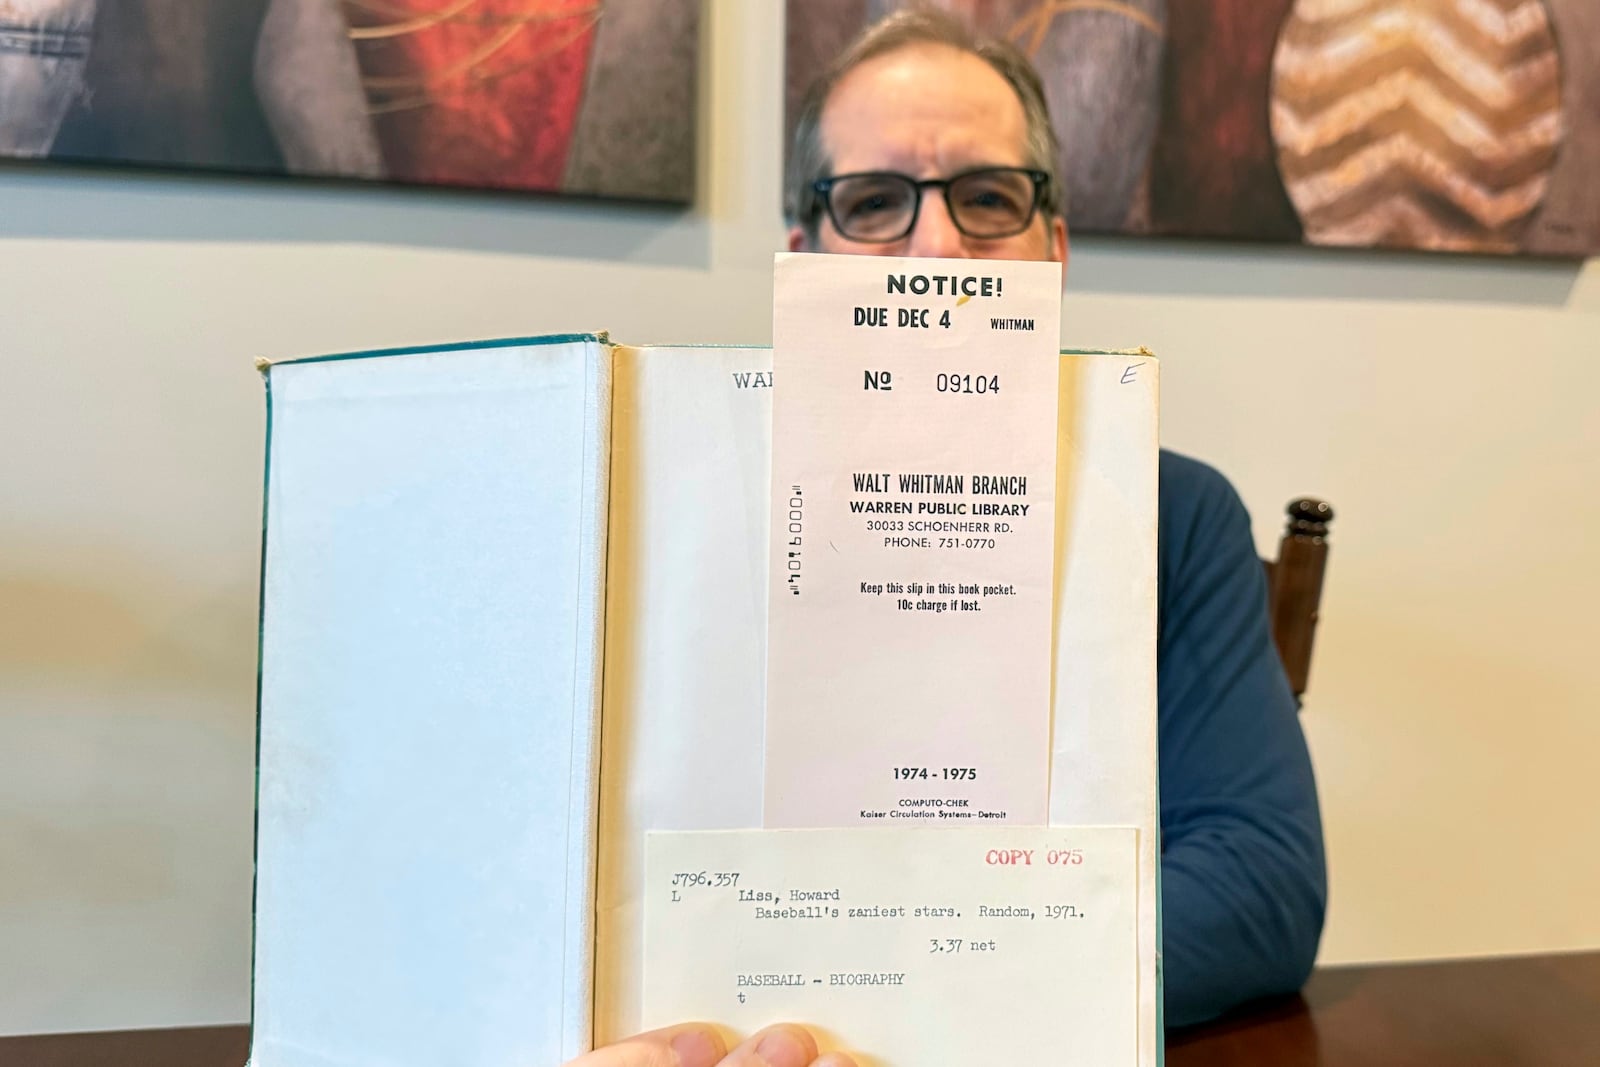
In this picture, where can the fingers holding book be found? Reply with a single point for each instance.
(699, 1045)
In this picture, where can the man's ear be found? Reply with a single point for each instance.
(797, 240)
(1060, 247)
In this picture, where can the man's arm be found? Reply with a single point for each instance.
(1244, 886)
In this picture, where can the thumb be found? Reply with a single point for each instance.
(688, 1045)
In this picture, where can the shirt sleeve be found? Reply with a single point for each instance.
(1244, 886)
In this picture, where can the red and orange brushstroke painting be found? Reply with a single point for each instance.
(481, 93)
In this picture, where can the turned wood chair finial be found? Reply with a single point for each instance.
(1294, 586)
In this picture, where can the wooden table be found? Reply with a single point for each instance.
(1537, 1011)
(1534, 1011)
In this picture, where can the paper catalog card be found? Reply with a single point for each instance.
(913, 482)
(998, 945)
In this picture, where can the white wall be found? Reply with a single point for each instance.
(1445, 406)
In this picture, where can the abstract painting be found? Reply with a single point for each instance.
(585, 97)
(1437, 125)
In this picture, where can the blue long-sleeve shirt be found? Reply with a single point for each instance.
(1244, 885)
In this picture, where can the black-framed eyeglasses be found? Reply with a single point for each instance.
(987, 203)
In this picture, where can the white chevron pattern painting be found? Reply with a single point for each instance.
(1429, 124)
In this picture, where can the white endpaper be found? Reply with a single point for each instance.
(913, 483)
(429, 707)
(976, 945)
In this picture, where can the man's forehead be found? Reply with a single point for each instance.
(921, 106)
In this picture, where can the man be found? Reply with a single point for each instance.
(923, 140)
(963, 122)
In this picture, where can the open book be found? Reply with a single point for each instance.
(513, 619)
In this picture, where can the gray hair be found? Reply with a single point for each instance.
(808, 159)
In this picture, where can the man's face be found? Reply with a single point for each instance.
(929, 111)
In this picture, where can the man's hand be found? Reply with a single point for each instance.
(697, 1045)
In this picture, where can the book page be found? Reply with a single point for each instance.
(686, 626)
(1103, 746)
(686, 608)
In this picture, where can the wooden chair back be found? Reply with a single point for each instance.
(1294, 586)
